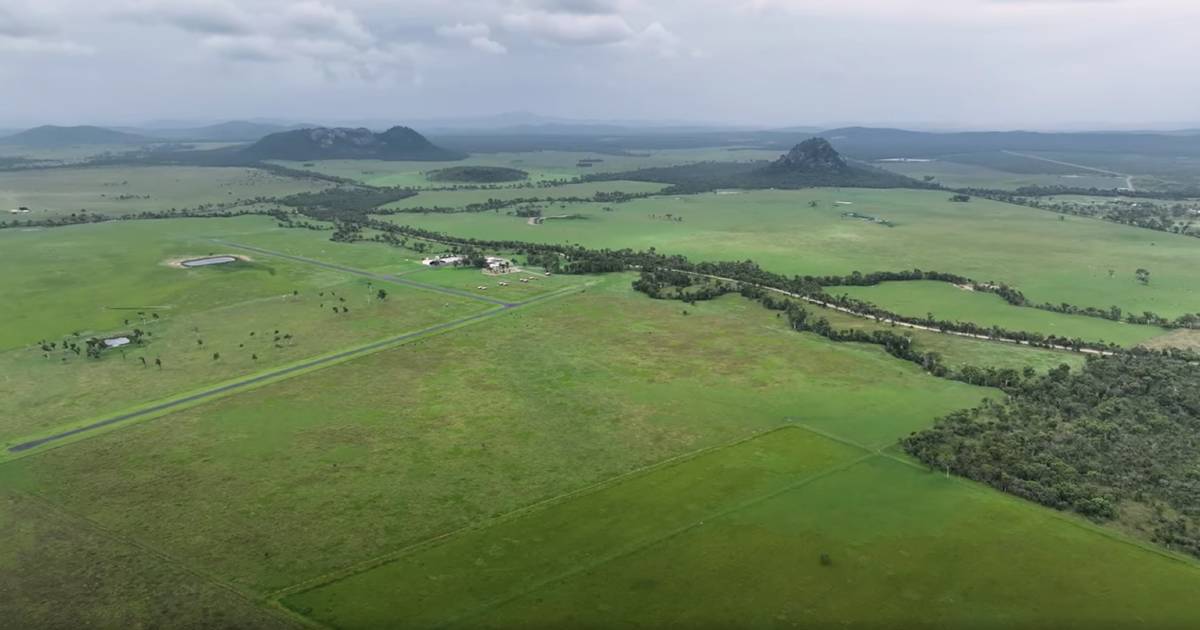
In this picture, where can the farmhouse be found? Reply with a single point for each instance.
(498, 265)
(442, 261)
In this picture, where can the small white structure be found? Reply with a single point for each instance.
(441, 261)
(496, 264)
(116, 342)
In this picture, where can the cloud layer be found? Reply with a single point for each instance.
(942, 62)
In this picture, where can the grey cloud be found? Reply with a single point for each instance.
(212, 18)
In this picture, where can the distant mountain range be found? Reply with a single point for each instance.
(330, 143)
(868, 143)
(450, 138)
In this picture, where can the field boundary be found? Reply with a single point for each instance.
(663, 537)
(383, 277)
(38, 443)
(363, 566)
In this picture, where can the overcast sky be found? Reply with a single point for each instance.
(943, 63)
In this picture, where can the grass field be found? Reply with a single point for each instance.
(93, 277)
(959, 351)
(61, 571)
(946, 301)
(1051, 259)
(116, 191)
(460, 198)
(963, 175)
(287, 482)
(558, 452)
(734, 537)
(541, 165)
(206, 325)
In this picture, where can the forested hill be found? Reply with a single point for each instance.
(51, 137)
(328, 143)
(812, 163)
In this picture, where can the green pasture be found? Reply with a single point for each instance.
(946, 301)
(1051, 258)
(91, 278)
(461, 198)
(541, 165)
(121, 190)
(450, 580)
(906, 547)
(290, 481)
(57, 388)
(60, 571)
(959, 351)
(962, 175)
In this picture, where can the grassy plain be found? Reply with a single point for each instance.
(120, 190)
(460, 198)
(963, 175)
(959, 351)
(206, 325)
(946, 301)
(60, 571)
(906, 547)
(541, 165)
(289, 481)
(1050, 258)
(93, 277)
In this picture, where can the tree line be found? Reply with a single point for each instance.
(1118, 440)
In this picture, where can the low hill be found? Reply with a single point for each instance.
(814, 155)
(333, 143)
(810, 164)
(478, 174)
(51, 136)
(232, 131)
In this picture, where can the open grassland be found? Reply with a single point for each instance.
(206, 325)
(963, 175)
(60, 571)
(431, 586)
(287, 482)
(91, 278)
(57, 389)
(960, 351)
(541, 165)
(906, 548)
(119, 190)
(1048, 257)
(470, 279)
(946, 301)
(461, 198)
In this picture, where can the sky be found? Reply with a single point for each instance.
(997, 64)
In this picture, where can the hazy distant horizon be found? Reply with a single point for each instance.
(481, 122)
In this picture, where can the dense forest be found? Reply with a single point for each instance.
(1118, 440)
